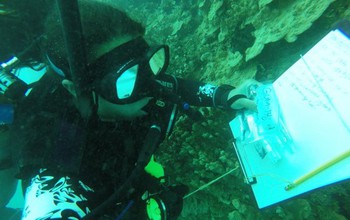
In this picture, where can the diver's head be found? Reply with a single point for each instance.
(120, 62)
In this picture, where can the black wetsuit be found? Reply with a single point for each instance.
(79, 167)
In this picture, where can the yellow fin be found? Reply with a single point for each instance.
(155, 169)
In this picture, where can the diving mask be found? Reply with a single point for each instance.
(126, 73)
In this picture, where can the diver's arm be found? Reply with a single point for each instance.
(203, 94)
(197, 93)
(207, 95)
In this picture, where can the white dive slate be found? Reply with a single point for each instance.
(300, 139)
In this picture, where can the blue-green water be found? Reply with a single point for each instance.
(228, 42)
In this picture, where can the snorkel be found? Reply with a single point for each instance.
(74, 40)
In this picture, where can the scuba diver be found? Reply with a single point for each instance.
(99, 167)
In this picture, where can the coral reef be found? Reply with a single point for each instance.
(226, 41)
(285, 19)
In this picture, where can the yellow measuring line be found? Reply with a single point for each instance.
(317, 170)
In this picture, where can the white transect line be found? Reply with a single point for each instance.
(211, 182)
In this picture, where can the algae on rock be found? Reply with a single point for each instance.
(273, 24)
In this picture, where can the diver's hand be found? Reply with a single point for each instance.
(243, 102)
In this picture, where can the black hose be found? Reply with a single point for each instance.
(150, 144)
(74, 40)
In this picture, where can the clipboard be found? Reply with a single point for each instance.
(300, 139)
